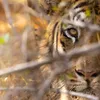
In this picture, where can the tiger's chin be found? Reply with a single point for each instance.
(88, 90)
(84, 88)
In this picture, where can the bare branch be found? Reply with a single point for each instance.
(88, 49)
(37, 14)
(91, 97)
(24, 42)
(17, 88)
(24, 66)
(45, 86)
(84, 50)
(8, 15)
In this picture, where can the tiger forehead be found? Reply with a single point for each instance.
(88, 64)
(79, 2)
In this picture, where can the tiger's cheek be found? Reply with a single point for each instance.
(81, 87)
(95, 83)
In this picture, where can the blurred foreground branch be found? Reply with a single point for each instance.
(8, 15)
(91, 97)
(87, 49)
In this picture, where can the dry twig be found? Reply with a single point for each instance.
(88, 49)
(8, 15)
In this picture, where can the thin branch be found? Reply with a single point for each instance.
(37, 14)
(84, 50)
(57, 91)
(24, 42)
(8, 15)
(88, 49)
(91, 97)
(45, 86)
(24, 66)
(17, 88)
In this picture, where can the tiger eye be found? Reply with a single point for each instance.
(79, 73)
(95, 74)
(72, 31)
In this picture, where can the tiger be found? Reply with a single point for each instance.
(65, 30)
(68, 29)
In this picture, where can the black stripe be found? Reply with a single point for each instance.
(63, 32)
(83, 10)
(81, 4)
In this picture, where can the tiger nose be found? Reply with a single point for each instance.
(88, 82)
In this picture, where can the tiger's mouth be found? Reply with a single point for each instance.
(87, 90)
(82, 88)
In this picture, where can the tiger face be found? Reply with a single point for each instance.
(74, 25)
(70, 26)
(86, 78)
